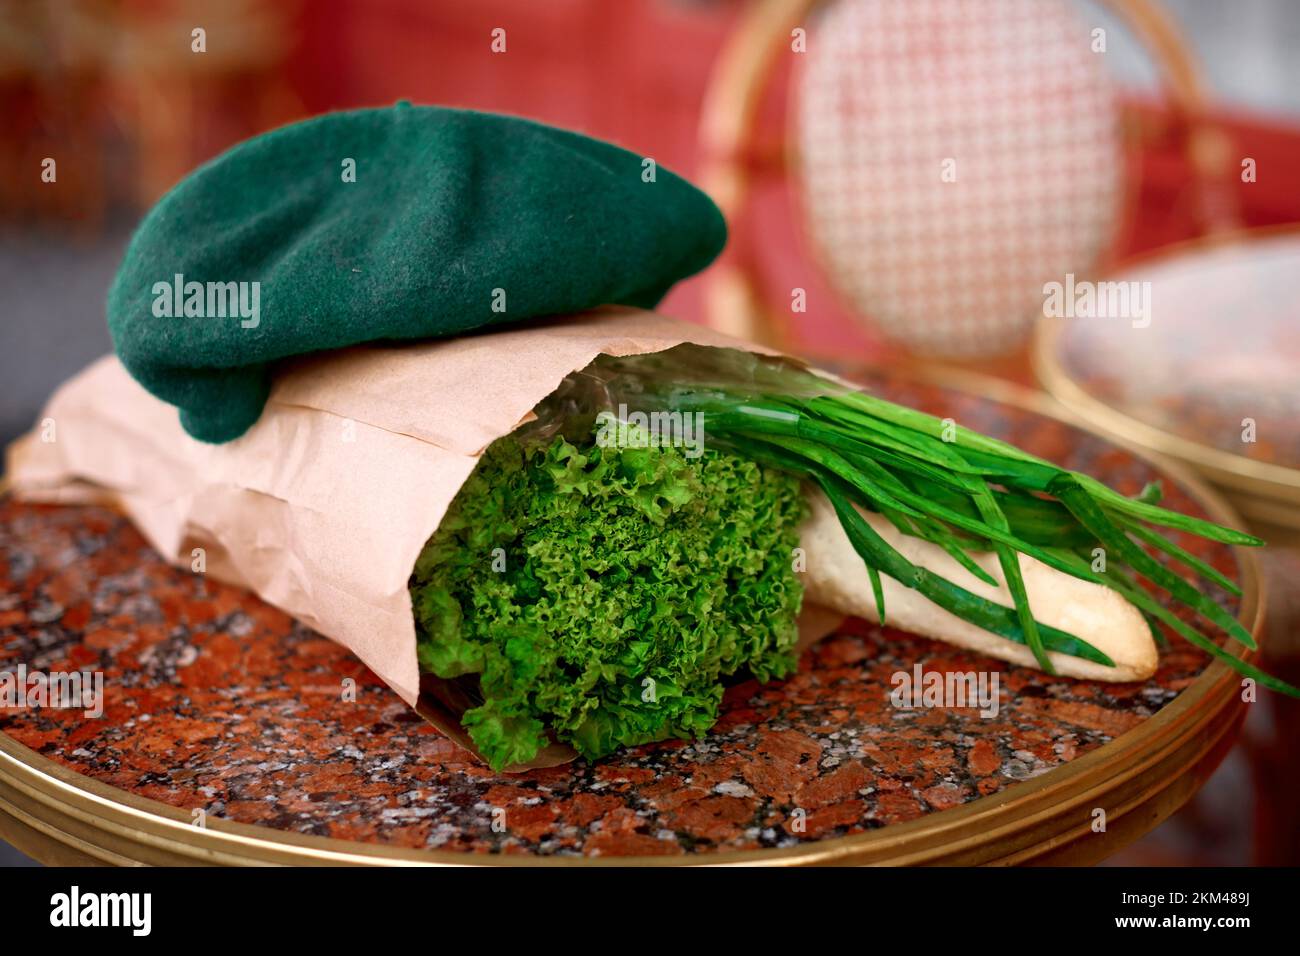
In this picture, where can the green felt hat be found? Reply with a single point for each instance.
(403, 223)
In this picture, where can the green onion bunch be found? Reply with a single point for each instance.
(961, 490)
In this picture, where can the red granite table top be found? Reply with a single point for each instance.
(215, 700)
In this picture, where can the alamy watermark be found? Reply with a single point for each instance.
(57, 690)
(1098, 300)
(133, 911)
(626, 429)
(955, 689)
(208, 300)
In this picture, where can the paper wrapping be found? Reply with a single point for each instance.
(323, 506)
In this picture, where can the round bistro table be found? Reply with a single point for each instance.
(1224, 316)
(225, 738)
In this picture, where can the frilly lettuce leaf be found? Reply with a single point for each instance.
(627, 584)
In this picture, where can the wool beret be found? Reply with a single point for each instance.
(387, 224)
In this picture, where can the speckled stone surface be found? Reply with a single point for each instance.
(216, 700)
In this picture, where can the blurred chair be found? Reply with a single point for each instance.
(946, 157)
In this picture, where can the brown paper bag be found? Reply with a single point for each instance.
(322, 507)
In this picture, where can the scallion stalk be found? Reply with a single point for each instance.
(974, 493)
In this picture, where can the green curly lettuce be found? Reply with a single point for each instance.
(601, 594)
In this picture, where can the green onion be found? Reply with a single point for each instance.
(975, 493)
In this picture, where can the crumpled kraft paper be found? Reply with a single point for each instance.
(322, 507)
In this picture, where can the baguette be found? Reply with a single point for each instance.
(836, 578)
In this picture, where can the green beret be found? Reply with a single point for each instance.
(403, 223)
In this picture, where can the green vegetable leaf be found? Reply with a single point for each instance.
(601, 595)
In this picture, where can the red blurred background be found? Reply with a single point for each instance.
(113, 89)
